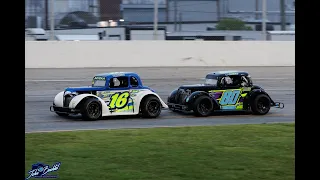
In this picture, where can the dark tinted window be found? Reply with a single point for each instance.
(133, 81)
(118, 82)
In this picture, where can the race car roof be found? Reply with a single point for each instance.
(216, 74)
(117, 74)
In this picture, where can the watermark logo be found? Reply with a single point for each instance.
(40, 170)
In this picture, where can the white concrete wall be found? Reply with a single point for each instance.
(71, 54)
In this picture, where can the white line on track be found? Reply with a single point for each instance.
(266, 78)
(272, 78)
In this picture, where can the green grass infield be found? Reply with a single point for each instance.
(233, 152)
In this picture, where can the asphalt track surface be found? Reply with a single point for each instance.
(43, 84)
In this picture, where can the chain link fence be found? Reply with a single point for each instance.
(182, 19)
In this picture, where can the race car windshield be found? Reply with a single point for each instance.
(211, 81)
(99, 83)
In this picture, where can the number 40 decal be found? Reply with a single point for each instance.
(119, 100)
(230, 97)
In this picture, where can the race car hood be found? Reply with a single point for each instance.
(84, 88)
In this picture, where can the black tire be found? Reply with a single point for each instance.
(62, 114)
(261, 104)
(203, 106)
(91, 109)
(150, 107)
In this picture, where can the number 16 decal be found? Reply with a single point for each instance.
(230, 97)
(119, 100)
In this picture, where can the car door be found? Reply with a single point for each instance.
(117, 97)
(232, 95)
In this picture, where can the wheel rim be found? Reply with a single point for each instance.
(204, 107)
(263, 105)
(93, 110)
(153, 107)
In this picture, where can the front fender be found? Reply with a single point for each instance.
(142, 94)
(172, 96)
(77, 99)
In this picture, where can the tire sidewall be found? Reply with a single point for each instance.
(146, 102)
(198, 102)
(84, 109)
(255, 108)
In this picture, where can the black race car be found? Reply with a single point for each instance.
(222, 91)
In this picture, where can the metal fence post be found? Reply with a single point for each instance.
(52, 20)
(264, 19)
(155, 21)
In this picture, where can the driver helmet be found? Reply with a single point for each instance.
(228, 80)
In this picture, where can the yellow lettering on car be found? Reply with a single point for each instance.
(119, 100)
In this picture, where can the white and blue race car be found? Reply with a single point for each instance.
(111, 94)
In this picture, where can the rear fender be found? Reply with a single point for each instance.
(255, 92)
(193, 96)
(142, 94)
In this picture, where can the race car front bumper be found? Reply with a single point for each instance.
(178, 107)
(64, 110)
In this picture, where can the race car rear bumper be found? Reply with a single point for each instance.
(63, 110)
(277, 105)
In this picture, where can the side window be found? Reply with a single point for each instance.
(226, 81)
(133, 81)
(230, 81)
(118, 82)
